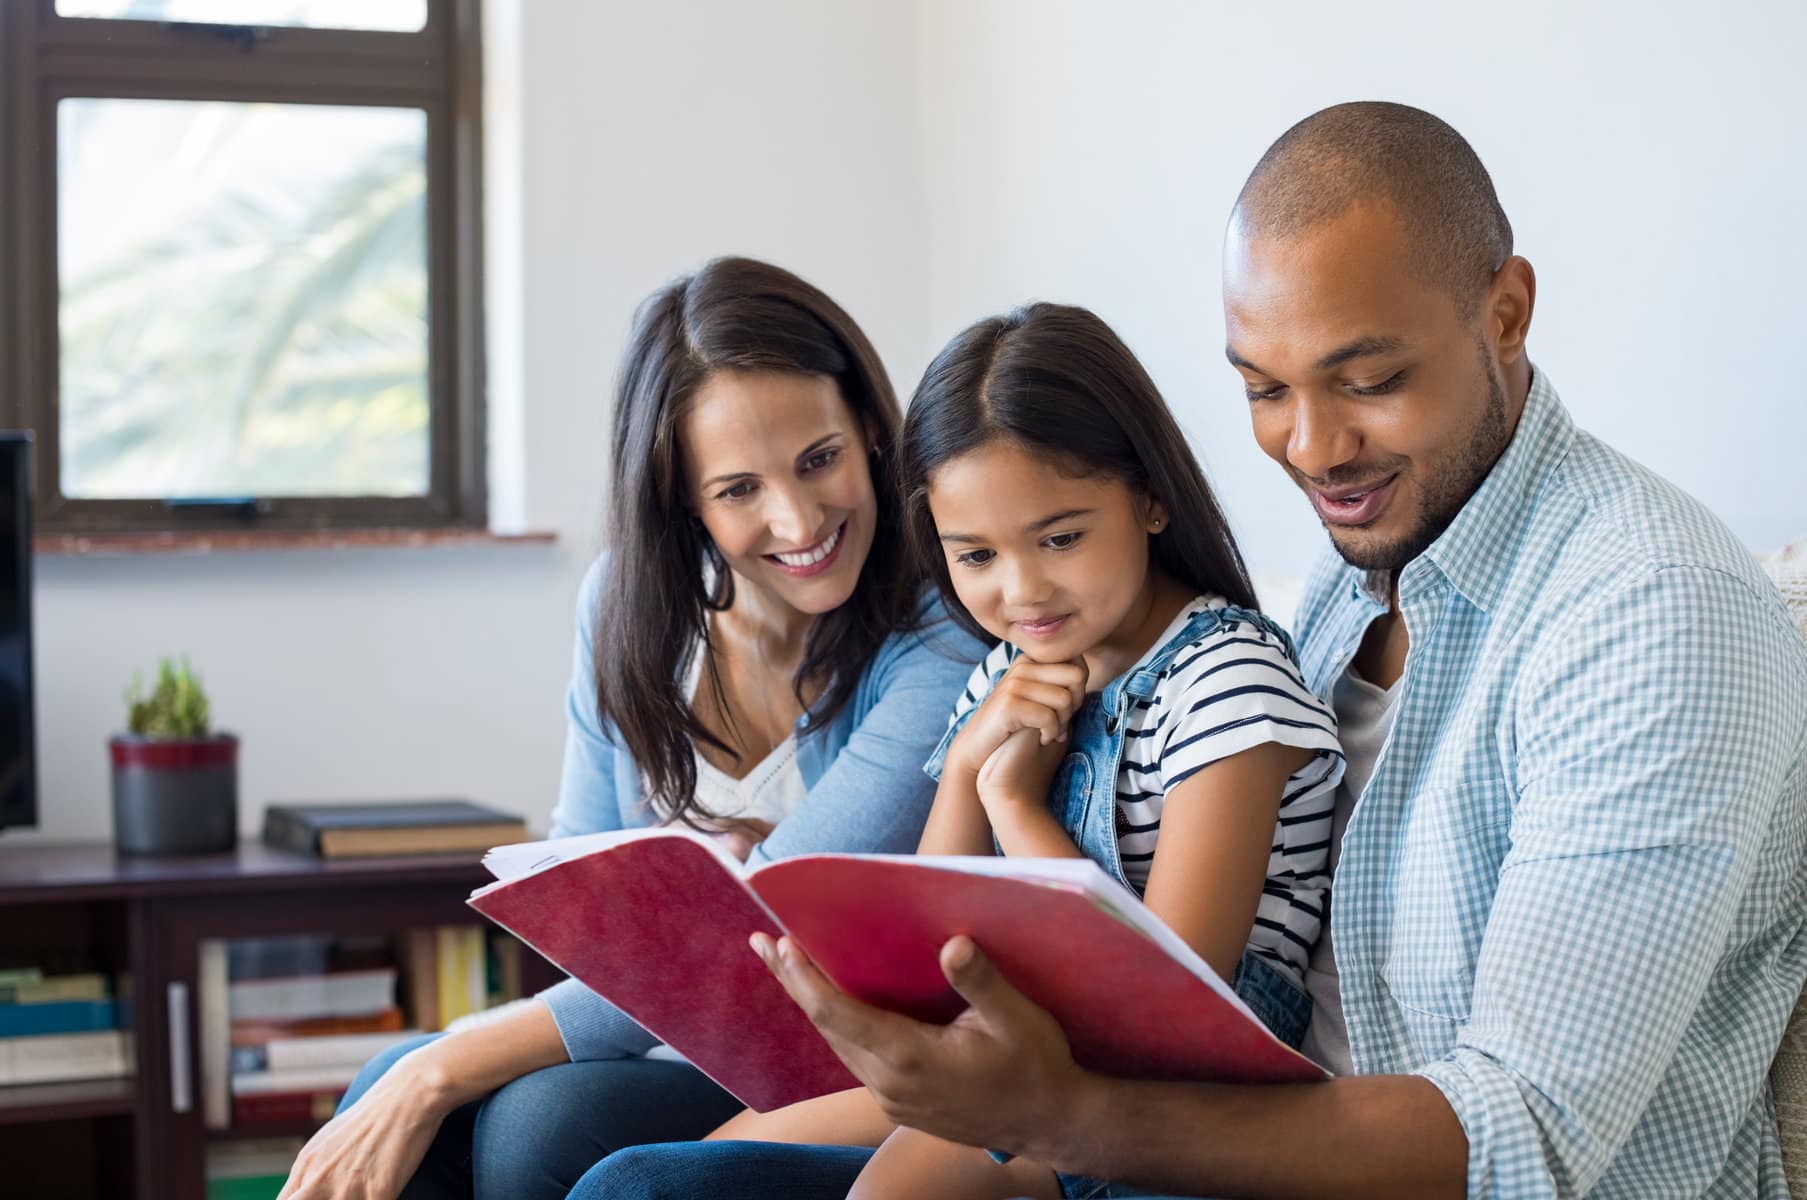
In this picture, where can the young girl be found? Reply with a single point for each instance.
(1138, 710)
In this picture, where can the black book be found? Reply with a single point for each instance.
(408, 827)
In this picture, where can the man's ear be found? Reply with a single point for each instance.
(1510, 301)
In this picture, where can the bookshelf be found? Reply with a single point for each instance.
(143, 1138)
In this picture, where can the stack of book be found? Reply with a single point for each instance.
(55, 1028)
(454, 971)
(372, 830)
(286, 1023)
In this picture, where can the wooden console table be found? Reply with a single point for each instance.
(142, 1138)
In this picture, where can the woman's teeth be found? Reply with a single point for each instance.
(822, 550)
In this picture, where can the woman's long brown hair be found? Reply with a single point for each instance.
(665, 575)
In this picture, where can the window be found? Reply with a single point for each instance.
(239, 270)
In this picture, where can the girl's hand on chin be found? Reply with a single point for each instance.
(1031, 696)
(1019, 772)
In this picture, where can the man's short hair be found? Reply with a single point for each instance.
(1403, 157)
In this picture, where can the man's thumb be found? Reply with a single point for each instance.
(975, 978)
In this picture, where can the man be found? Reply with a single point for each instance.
(1567, 920)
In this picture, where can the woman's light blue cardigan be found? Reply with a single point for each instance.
(863, 769)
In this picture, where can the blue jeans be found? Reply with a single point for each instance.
(533, 1138)
(753, 1171)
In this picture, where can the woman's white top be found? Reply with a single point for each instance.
(767, 793)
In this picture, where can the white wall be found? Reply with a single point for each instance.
(1649, 156)
(929, 162)
(647, 138)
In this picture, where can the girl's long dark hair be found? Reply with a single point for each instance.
(1056, 380)
(665, 575)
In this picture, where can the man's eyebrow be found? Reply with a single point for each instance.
(1362, 347)
(1035, 526)
(1237, 360)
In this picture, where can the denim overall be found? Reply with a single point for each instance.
(1083, 796)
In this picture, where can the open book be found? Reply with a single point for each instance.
(657, 921)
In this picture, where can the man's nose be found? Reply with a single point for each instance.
(1321, 439)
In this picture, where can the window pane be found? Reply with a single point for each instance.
(395, 15)
(243, 299)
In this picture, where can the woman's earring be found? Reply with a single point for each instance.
(1156, 527)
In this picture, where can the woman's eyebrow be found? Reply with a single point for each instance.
(803, 453)
(715, 479)
(819, 443)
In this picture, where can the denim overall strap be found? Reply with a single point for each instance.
(1276, 999)
(1094, 826)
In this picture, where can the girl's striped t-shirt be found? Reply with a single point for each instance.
(1224, 692)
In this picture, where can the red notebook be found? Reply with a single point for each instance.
(657, 921)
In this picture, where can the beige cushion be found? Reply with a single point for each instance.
(1788, 1074)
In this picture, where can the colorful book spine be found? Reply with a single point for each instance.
(304, 1079)
(59, 1016)
(257, 1033)
(61, 987)
(285, 1108)
(338, 994)
(292, 1054)
(212, 980)
(57, 1057)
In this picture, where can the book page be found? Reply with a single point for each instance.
(517, 861)
(1082, 875)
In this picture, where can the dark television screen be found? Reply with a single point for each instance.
(18, 758)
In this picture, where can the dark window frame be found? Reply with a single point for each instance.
(45, 58)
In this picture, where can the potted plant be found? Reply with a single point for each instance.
(175, 785)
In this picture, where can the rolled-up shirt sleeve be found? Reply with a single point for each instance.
(1655, 738)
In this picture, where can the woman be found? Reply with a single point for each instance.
(754, 657)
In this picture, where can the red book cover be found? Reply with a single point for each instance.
(659, 925)
(658, 922)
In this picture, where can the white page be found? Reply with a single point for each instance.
(508, 863)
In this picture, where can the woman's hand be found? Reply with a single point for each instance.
(741, 834)
(372, 1149)
(1031, 696)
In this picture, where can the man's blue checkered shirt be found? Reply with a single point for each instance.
(1571, 895)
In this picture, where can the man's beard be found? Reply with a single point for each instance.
(1447, 486)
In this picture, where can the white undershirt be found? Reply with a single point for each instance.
(1364, 718)
(768, 792)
